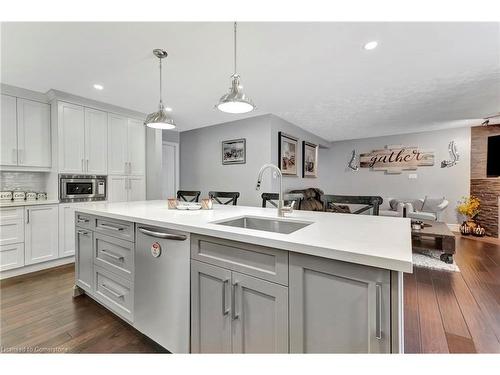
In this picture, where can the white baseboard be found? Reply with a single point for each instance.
(36, 267)
(454, 227)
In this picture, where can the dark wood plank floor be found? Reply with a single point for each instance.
(39, 314)
(445, 312)
(451, 312)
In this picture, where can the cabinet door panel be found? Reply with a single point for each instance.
(84, 258)
(71, 134)
(117, 189)
(33, 133)
(96, 141)
(41, 233)
(137, 147)
(8, 131)
(261, 316)
(137, 189)
(117, 144)
(66, 230)
(338, 307)
(210, 309)
(11, 256)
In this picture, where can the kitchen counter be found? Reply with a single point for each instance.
(383, 242)
(28, 203)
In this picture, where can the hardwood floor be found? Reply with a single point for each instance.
(39, 314)
(445, 312)
(456, 312)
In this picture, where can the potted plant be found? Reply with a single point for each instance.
(469, 207)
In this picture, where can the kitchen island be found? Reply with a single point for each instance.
(202, 281)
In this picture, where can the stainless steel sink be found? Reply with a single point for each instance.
(265, 224)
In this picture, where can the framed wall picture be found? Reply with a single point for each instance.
(234, 151)
(310, 159)
(287, 153)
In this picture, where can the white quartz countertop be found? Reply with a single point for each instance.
(377, 241)
(28, 203)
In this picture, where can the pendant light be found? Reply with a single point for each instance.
(235, 101)
(160, 119)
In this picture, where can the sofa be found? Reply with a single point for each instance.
(426, 209)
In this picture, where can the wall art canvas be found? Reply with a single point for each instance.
(310, 159)
(234, 151)
(287, 151)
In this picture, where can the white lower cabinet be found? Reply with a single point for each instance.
(338, 307)
(11, 256)
(126, 188)
(11, 225)
(84, 258)
(236, 313)
(66, 230)
(41, 233)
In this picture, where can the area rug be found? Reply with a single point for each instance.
(430, 259)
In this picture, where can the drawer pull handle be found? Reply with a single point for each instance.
(109, 290)
(112, 227)
(167, 236)
(83, 220)
(378, 323)
(112, 255)
(82, 232)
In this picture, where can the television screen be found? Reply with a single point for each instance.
(493, 164)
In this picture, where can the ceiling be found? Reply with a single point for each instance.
(422, 76)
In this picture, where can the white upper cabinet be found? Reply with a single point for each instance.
(117, 144)
(136, 147)
(8, 131)
(71, 133)
(136, 189)
(25, 133)
(96, 141)
(117, 188)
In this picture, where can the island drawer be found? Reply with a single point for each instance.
(114, 292)
(259, 261)
(115, 228)
(115, 255)
(84, 220)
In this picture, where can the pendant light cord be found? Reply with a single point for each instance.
(161, 94)
(235, 48)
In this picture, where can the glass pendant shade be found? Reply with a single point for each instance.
(235, 101)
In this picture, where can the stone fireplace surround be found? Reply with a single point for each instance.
(486, 189)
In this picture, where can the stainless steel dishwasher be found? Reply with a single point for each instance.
(161, 296)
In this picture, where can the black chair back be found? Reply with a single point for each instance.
(369, 202)
(188, 195)
(231, 196)
(272, 199)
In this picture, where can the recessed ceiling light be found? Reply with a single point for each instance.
(371, 45)
(98, 87)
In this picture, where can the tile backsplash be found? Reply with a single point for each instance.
(26, 181)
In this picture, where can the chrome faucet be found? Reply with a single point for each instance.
(281, 209)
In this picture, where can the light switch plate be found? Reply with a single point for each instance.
(412, 176)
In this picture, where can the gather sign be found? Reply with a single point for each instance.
(394, 159)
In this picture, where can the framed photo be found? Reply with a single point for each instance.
(234, 151)
(310, 159)
(287, 152)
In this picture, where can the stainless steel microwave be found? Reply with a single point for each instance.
(82, 188)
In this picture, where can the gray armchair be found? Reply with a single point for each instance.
(426, 209)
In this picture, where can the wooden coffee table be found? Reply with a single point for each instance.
(435, 235)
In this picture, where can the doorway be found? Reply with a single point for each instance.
(170, 170)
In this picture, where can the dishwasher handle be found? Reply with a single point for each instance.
(166, 236)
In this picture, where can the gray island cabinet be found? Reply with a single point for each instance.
(242, 297)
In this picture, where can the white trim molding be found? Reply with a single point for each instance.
(36, 267)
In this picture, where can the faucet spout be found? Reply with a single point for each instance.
(281, 212)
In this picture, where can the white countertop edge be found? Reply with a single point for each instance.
(329, 253)
(28, 203)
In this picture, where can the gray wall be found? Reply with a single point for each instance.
(452, 183)
(201, 158)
